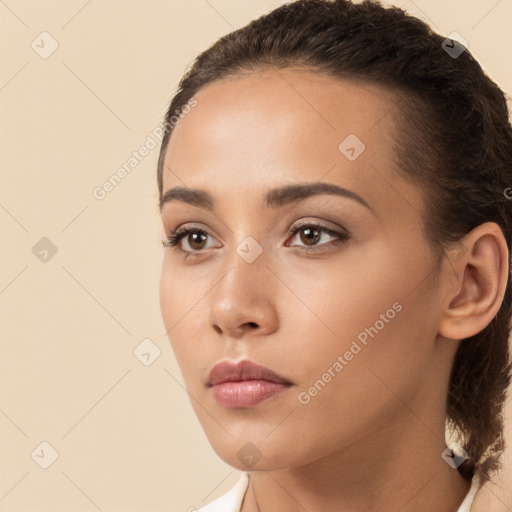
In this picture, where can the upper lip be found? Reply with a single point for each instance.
(230, 371)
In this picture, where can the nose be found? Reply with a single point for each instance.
(243, 302)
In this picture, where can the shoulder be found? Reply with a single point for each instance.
(232, 500)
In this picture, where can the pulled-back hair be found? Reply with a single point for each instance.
(454, 141)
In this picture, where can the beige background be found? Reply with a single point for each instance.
(126, 436)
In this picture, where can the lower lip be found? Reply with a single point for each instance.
(247, 393)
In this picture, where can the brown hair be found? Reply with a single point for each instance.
(455, 142)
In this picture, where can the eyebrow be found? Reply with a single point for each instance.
(274, 198)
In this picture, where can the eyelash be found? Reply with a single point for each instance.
(174, 238)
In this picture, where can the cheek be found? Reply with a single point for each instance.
(184, 307)
(168, 295)
(332, 333)
(336, 301)
(174, 305)
(358, 334)
(180, 294)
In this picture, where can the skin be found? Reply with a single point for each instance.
(371, 439)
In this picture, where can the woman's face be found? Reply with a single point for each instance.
(350, 320)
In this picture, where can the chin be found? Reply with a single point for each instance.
(247, 453)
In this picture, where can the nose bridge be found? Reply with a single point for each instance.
(246, 266)
(245, 257)
(241, 297)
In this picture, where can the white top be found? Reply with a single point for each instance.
(232, 500)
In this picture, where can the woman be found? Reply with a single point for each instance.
(336, 283)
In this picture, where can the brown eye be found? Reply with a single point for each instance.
(311, 234)
(196, 239)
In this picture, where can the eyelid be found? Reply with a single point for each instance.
(320, 225)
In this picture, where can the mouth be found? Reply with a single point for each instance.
(245, 384)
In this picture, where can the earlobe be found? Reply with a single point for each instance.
(476, 279)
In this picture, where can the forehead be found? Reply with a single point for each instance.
(260, 105)
(253, 131)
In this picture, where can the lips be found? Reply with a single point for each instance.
(227, 371)
(245, 384)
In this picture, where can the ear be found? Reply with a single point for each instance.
(476, 278)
